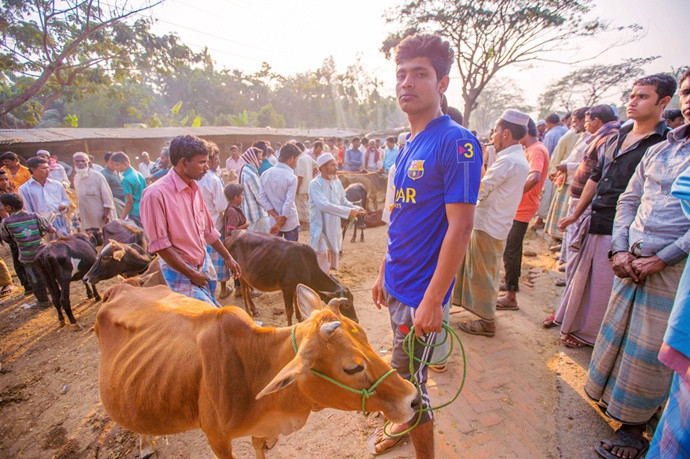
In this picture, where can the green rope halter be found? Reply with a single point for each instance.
(365, 393)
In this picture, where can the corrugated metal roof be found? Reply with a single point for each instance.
(56, 135)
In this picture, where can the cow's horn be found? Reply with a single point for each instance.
(328, 328)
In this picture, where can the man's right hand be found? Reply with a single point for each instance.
(198, 278)
(377, 293)
(565, 222)
(562, 168)
(622, 265)
(354, 213)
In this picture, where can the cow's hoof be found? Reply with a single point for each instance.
(61, 323)
(97, 298)
(256, 314)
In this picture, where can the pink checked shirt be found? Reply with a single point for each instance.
(174, 215)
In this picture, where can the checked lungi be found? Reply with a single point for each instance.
(181, 284)
(558, 210)
(222, 270)
(625, 374)
(478, 278)
(672, 436)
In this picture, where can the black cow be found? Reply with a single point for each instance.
(356, 194)
(126, 260)
(270, 263)
(62, 261)
(124, 231)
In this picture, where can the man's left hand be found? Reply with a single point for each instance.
(106, 215)
(428, 318)
(647, 266)
(234, 267)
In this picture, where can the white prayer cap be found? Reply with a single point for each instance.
(43, 152)
(323, 159)
(541, 123)
(80, 154)
(515, 117)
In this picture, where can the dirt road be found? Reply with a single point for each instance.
(523, 396)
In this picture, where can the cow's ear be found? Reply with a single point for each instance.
(307, 300)
(286, 376)
(118, 254)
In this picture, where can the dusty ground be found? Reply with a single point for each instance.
(523, 396)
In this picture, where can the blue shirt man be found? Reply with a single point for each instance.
(353, 157)
(278, 191)
(390, 154)
(133, 184)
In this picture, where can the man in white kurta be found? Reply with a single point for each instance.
(95, 200)
(327, 205)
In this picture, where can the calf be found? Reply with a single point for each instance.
(270, 263)
(374, 183)
(62, 261)
(170, 363)
(124, 231)
(356, 194)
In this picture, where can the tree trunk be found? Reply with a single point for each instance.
(25, 96)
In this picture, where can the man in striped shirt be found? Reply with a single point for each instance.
(26, 230)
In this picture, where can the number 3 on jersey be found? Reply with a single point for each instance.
(465, 151)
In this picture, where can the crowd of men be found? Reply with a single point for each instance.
(613, 197)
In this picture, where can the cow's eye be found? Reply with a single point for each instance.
(353, 369)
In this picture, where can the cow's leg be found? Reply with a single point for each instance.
(96, 296)
(54, 290)
(146, 447)
(290, 305)
(260, 444)
(361, 235)
(66, 304)
(354, 233)
(221, 446)
(89, 294)
(247, 296)
(345, 230)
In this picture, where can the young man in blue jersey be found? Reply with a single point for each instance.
(436, 185)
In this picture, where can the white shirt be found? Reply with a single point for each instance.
(212, 190)
(501, 192)
(576, 156)
(305, 169)
(145, 169)
(278, 190)
(44, 199)
(327, 205)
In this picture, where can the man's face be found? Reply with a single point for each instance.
(80, 162)
(417, 86)
(214, 162)
(196, 167)
(340, 143)
(541, 128)
(330, 168)
(567, 121)
(10, 163)
(4, 182)
(684, 96)
(41, 172)
(292, 161)
(330, 144)
(676, 122)
(165, 161)
(120, 167)
(497, 137)
(317, 151)
(234, 153)
(643, 103)
(390, 143)
(592, 125)
(145, 157)
(578, 124)
(355, 144)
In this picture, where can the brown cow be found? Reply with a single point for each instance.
(374, 182)
(270, 263)
(170, 363)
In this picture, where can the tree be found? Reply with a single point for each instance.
(60, 44)
(489, 35)
(498, 95)
(590, 85)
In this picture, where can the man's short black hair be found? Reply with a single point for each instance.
(261, 145)
(120, 157)
(532, 128)
(108, 156)
(318, 144)
(552, 119)
(300, 145)
(214, 150)
(670, 115)
(603, 112)
(187, 146)
(391, 139)
(232, 190)
(664, 84)
(355, 139)
(455, 115)
(580, 113)
(12, 200)
(287, 151)
(9, 155)
(517, 132)
(684, 76)
(437, 50)
(34, 162)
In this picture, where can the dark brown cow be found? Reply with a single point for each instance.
(61, 262)
(374, 182)
(357, 195)
(125, 232)
(170, 363)
(270, 263)
(115, 259)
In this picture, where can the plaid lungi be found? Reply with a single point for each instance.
(625, 374)
(558, 210)
(222, 270)
(477, 280)
(672, 436)
(181, 284)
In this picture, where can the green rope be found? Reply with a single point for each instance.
(408, 345)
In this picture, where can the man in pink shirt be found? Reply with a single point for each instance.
(179, 225)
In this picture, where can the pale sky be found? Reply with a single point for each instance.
(295, 36)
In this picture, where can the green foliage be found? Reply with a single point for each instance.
(70, 121)
(498, 95)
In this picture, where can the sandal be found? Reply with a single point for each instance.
(6, 290)
(572, 342)
(475, 327)
(503, 306)
(622, 439)
(550, 321)
(441, 368)
(391, 442)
